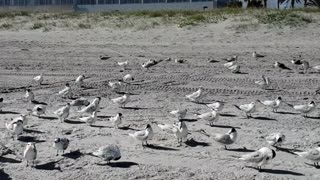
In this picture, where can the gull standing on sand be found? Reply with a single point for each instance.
(123, 64)
(60, 144)
(316, 68)
(93, 106)
(79, 103)
(212, 116)
(226, 139)
(38, 79)
(66, 92)
(274, 104)
(179, 130)
(280, 66)
(229, 64)
(311, 154)
(247, 108)
(231, 59)
(217, 106)
(79, 81)
(30, 153)
(116, 120)
(115, 86)
(264, 83)
(63, 112)
(196, 96)
(128, 78)
(38, 110)
(91, 119)
(256, 56)
(305, 108)
(275, 139)
(23, 118)
(260, 157)
(108, 153)
(15, 127)
(179, 113)
(122, 101)
(143, 135)
(149, 63)
(29, 96)
(234, 69)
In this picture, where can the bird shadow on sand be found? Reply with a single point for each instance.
(264, 118)
(4, 176)
(38, 102)
(99, 126)
(240, 150)
(48, 117)
(156, 147)
(317, 167)
(287, 150)
(194, 143)
(283, 112)
(134, 108)
(224, 126)
(73, 122)
(277, 171)
(227, 115)
(104, 117)
(49, 166)
(122, 93)
(122, 164)
(189, 120)
(127, 128)
(312, 117)
(241, 73)
(30, 139)
(73, 154)
(8, 112)
(32, 131)
(213, 61)
(8, 160)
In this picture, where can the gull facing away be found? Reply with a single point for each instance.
(179, 113)
(256, 56)
(143, 135)
(38, 79)
(280, 66)
(311, 154)
(275, 139)
(247, 108)
(115, 86)
(274, 104)
(15, 127)
(231, 59)
(180, 130)
(196, 96)
(38, 110)
(91, 119)
(79, 81)
(116, 120)
(260, 157)
(29, 96)
(264, 83)
(108, 153)
(122, 101)
(128, 78)
(30, 153)
(234, 69)
(217, 106)
(63, 112)
(226, 139)
(79, 103)
(93, 106)
(305, 108)
(212, 116)
(61, 144)
(66, 92)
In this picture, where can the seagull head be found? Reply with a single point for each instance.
(148, 126)
(57, 140)
(279, 98)
(312, 103)
(28, 90)
(68, 104)
(120, 114)
(67, 85)
(232, 130)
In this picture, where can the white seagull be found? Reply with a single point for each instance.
(212, 116)
(274, 104)
(38, 79)
(60, 144)
(234, 68)
(79, 103)
(23, 118)
(264, 83)
(305, 108)
(79, 80)
(256, 56)
(30, 153)
(275, 139)
(196, 96)
(108, 153)
(38, 110)
(226, 139)
(63, 112)
(122, 101)
(15, 127)
(311, 154)
(217, 106)
(116, 120)
(247, 108)
(143, 135)
(123, 64)
(93, 106)
(128, 78)
(229, 64)
(29, 96)
(179, 130)
(89, 119)
(115, 86)
(66, 92)
(231, 59)
(179, 113)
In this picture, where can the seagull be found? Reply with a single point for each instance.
(196, 96)
(66, 92)
(63, 112)
(226, 139)
(311, 154)
(104, 57)
(89, 119)
(231, 59)
(30, 153)
(316, 68)
(217, 106)
(115, 86)
(79, 80)
(247, 108)
(212, 116)
(179, 130)
(264, 83)
(61, 144)
(257, 56)
(229, 64)
(281, 66)
(79, 103)
(38, 79)
(296, 63)
(306, 66)
(38, 110)
(29, 96)
(179, 113)
(143, 135)
(274, 104)
(93, 106)
(234, 68)
(108, 153)
(23, 118)
(177, 60)
(15, 127)
(116, 120)
(275, 139)
(149, 63)
(260, 157)
(123, 64)
(305, 109)
(128, 78)
(122, 101)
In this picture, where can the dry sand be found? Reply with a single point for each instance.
(63, 55)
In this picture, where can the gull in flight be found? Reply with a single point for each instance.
(91, 119)
(212, 116)
(115, 86)
(79, 103)
(15, 127)
(196, 96)
(274, 104)
(128, 78)
(61, 144)
(38, 110)
(311, 154)
(234, 69)
(226, 139)
(143, 135)
(30, 153)
(79, 80)
(116, 120)
(122, 101)
(63, 112)
(264, 83)
(38, 79)
(123, 64)
(108, 153)
(179, 113)
(305, 108)
(93, 106)
(260, 157)
(247, 108)
(29, 96)
(256, 56)
(281, 66)
(217, 106)
(231, 59)
(66, 92)
(179, 130)
(275, 139)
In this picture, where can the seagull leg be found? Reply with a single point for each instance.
(225, 147)
(27, 163)
(57, 153)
